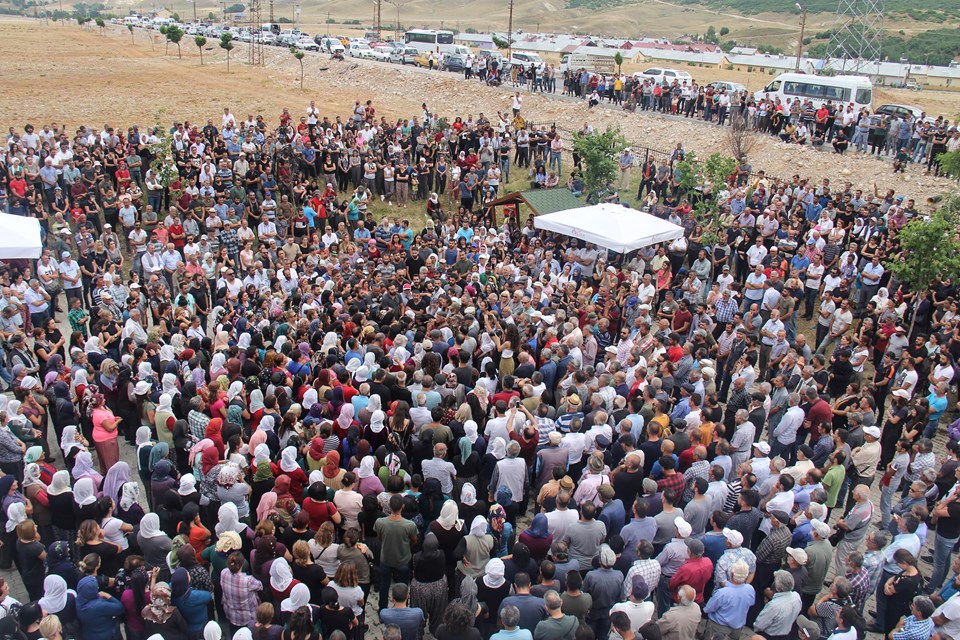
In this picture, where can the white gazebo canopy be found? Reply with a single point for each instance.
(611, 226)
(19, 237)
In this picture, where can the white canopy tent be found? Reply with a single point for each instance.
(19, 237)
(611, 226)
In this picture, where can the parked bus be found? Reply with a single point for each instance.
(855, 90)
(427, 40)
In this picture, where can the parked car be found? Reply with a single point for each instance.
(329, 44)
(903, 110)
(404, 55)
(659, 75)
(358, 49)
(376, 53)
(731, 87)
(454, 62)
(306, 44)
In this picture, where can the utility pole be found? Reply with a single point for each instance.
(803, 28)
(271, 12)
(510, 32)
(376, 18)
(194, 11)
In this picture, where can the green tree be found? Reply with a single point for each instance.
(226, 43)
(174, 34)
(950, 163)
(298, 54)
(598, 153)
(130, 29)
(706, 177)
(201, 42)
(500, 43)
(618, 60)
(930, 249)
(711, 35)
(724, 31)
(101, 25)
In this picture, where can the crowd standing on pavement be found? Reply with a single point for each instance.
(474, 430)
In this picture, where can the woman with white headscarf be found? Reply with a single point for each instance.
(329, 343)
(491, 590)
(85, 500)
(58, 600)
(218, 365)
(475, 548)
(128, 508)
(376, 433)
(83, 468)
(282, 581)
(367, 481)
(154, 544)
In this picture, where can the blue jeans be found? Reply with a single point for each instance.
(931, 429)
(555, 158)
(387, 574)
(505, 169)
(942, 550)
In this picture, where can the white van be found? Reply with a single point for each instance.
(525, 59)
(855, 90)
(458, 50)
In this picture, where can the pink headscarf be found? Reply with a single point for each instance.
(199, 448)
(256, 438)
(268, 504)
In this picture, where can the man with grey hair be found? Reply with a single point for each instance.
(557, 626)
(391, 631)
(510, 619)
(776, 618)
(855, 525)
(681, 622)
(727, 608)
(510, 473)
(440, 469)
(783, 440)
(742, 441)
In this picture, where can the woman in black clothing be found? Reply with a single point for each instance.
(901, 589)
(492, 588)
(428, 589)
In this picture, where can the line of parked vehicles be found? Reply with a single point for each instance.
(420, 45)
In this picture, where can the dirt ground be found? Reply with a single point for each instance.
(74, 75)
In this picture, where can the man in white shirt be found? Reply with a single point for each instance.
(72, 283)
(440, 469)
(266, 230)
(172, 263)
(151, 261)
(840, 322)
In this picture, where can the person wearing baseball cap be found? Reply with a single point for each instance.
(734, 553)
(819, 555)
(671, 558)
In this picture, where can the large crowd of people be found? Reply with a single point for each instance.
(273, 414)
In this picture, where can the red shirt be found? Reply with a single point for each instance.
(505, 396)
(177, 230)
(694, 572)
(18, 186)
(818, 414)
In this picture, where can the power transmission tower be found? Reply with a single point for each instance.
(256, 33)
(856, 44)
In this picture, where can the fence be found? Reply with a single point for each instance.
(641, 153)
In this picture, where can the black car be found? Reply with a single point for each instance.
(454, 63)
